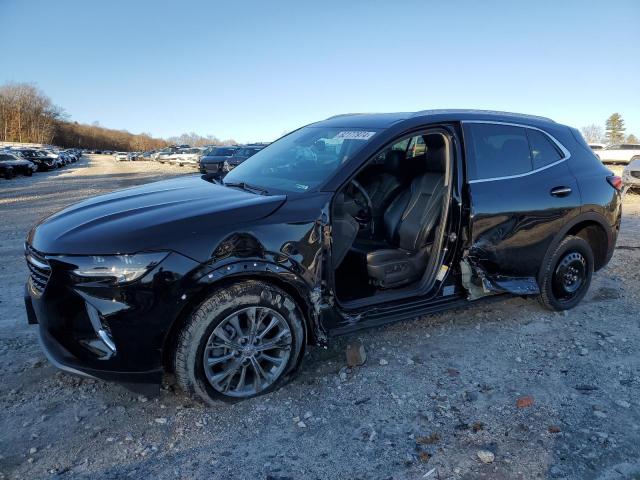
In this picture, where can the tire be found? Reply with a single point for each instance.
(567, 275)
(28, 172)
(8, 173)
(216, 321)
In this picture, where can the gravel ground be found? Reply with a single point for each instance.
(500, 390)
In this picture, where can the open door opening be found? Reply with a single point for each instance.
(389, 221)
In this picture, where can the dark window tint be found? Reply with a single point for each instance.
(224, 152)
(498, 150)
(543, 151)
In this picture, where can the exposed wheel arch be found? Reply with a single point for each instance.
(595, 229)
(596, 236)
(170, 341)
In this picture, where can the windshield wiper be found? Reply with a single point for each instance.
(246, 186)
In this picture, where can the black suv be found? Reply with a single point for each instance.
(351, 222)
(218, 161)
(41, 159)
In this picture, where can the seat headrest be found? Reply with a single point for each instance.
(392, 161)
(436, 153)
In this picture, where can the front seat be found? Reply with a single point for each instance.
(409, 222)
(383, 183)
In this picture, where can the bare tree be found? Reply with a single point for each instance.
(195, 140)
(28, 115)
(593, 133)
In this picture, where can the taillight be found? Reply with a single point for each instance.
(615, 181)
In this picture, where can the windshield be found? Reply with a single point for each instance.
(301, 160)
(220, 152)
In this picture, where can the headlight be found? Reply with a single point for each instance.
(119, 268)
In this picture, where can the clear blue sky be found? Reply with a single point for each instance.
(254, 69)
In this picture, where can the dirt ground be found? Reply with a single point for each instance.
(541, 394)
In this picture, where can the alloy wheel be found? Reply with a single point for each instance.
(247, 352)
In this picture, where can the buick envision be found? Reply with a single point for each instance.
(351, 222)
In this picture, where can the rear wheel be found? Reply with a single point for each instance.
(567, 274)
(241, 342)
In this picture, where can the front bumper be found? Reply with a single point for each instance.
(212, 168)
(114, 333)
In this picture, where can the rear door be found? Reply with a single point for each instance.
(521, 192)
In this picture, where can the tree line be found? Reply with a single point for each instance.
(614, 132)
(27, 115)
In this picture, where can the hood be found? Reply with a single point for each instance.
(183, 214)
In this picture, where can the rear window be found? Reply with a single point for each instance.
(497, 150)
(543, 151)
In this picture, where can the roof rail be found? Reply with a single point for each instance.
(490, 112)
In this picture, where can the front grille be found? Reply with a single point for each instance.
(39, 269)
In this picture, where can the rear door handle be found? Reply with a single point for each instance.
(560, 191)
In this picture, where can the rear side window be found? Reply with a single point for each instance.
(543, 151)
(497, 150)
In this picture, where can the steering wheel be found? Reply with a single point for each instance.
(365, 215)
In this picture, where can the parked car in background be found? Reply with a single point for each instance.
(619, 153)
(212, 161)
(597, 146)
(42, 160)
(74, 154)
(348, 223)
(65, 157)
(121, 156)
(218, 161)
(11, 164)
(60, 161)
(187, 156)
(631, 175)
(163, 156)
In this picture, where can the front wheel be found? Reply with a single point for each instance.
(243, 341)
(567, 275)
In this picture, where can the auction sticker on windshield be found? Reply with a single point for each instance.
(354, 135)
